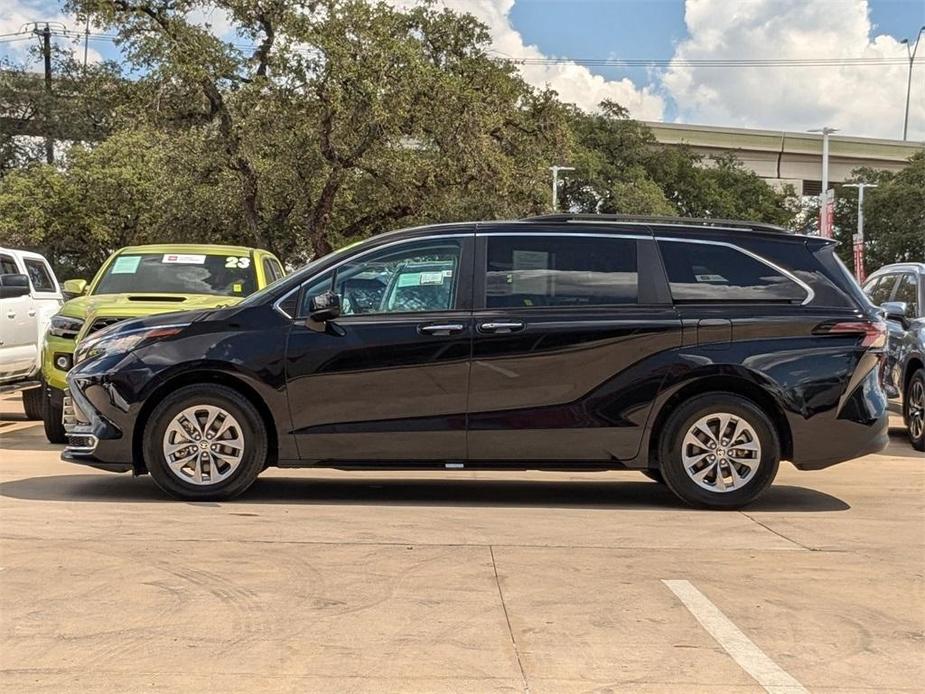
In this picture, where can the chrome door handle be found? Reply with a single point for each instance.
(441, 328)
(501, 326)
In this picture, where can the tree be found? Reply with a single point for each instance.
(346, 118)
(621, 168)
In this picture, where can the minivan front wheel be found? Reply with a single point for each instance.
(719, 451)
(205, 442)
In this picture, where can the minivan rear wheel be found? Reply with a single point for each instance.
(205, 442)
(914, 401)
(719, 450)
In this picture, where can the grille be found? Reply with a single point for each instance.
(101, 323)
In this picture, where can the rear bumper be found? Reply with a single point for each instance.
(858, 426)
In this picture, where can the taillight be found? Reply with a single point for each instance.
(873, 333)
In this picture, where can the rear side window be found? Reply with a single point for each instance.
(529, 271)
(907, 291)
(40, 276)
(8, 266)
(880, 289)
(701, 272)
(271, 270)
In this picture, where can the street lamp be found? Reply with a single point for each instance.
(824, 228)
(911, 53)
(555, 184)
(859, 237)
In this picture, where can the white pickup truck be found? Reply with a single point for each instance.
(29, 296)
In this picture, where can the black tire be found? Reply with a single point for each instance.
(654, 474)
(51, 417)
(680, 422)
(917, 386)
(32, 402)
(206, 395)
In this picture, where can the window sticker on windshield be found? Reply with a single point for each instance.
(235, 261)
(409, 279)
(432, 277)
(237, 287)
(184, 259)
(126, 265)
(710, 278)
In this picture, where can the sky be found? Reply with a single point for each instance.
(864, 100)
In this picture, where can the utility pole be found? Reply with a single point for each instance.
(46, 53)
(555, 184)
(859, 237)
(86, 41)
(911, 54)
(825, 221)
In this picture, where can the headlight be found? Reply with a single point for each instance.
(65, 326)
(121, 342)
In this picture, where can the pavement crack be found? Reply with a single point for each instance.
(507, 618)
(779, 534)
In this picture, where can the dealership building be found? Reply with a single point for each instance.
(793, 158)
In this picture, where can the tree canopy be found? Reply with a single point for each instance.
(322, 122)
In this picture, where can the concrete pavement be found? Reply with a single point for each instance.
(320, 581)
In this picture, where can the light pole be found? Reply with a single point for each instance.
(555, 184)
(859, 237)
(824, 221)
(911, 54)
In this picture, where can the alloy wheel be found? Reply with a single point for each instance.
(721, 452)
(917, 409)
(203, 445)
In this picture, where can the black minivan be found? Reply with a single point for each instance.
(699, 352)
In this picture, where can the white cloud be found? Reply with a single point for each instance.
(574, 83)
(859, 100)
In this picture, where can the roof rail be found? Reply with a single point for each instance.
(656, 220)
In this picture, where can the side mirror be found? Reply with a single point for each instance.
(13, 285)
(74, 287)
(324, 307)
(896, 310)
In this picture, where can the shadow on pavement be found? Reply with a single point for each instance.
(608, 494)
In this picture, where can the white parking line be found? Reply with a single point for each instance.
(750, 658)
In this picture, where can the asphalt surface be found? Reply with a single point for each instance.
(320, 581)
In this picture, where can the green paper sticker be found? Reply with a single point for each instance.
(409, 279)
(126, 265)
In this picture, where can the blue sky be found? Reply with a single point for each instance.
(860, 100)
(651, 29)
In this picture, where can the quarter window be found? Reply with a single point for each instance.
(907, 291)
(533, 271)
(40, 276)
(415, 278)
(701, 272)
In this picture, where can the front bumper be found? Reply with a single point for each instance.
(53, 349)
(95, 433)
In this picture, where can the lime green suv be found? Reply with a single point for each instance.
(140, 281)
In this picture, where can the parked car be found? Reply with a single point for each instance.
(699, 352)
(900, 290)
(142, 281)
(29, 297)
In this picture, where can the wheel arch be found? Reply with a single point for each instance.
(730, 383)
(202, 376)
(913, 365)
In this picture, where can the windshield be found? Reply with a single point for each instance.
(179, 273)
